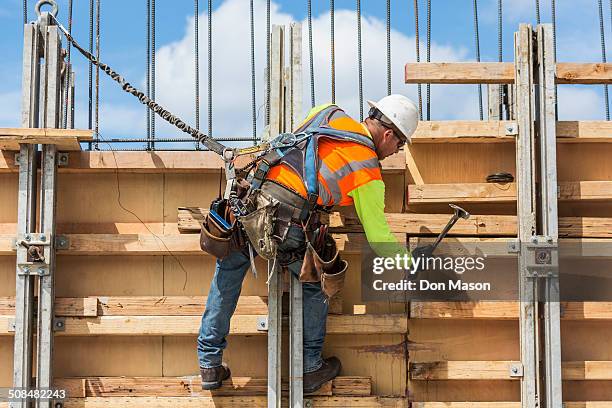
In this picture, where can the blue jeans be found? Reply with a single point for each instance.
(223, 296)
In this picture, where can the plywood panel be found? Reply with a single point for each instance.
(246, 356)
(457, 390)
(7, 275)
(189, 190)
(586, 341)
(8, 192)
(380, 356)
(589, 161)
(109, 276)
(93, 198)
(191, 275)
(6, 361)
(108, 356)
(462, 163)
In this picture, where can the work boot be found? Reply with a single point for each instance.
(329, 370)
(212, 378)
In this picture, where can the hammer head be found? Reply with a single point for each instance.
(460, 212)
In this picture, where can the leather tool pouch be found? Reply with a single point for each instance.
(217, 239)
(259, 224)
(324, 264)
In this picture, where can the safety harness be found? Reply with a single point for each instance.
(299, 152)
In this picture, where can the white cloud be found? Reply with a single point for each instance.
(232, 67)
(580, 103)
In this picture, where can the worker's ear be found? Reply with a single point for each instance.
(388, 133)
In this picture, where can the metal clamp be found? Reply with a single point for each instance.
(52, 3)
(511, 129)
(542, 257)
(36, 269)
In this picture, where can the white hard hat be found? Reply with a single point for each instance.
(398, 112)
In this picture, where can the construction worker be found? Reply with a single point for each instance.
(349, 173)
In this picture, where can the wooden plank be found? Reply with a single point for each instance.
(500, 73)
(498, 310)
(500, 370)
(172, 305)
(584, 73)
(229, 402)
(74, 387)
(459, 73)
(159, 162)
(502, 192)
(86, 307)
(65, 139)
(189, 325)
(594, 131)
(462, 193)
(464, 131)
(190, 386)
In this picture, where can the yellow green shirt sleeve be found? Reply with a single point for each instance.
(369, 201)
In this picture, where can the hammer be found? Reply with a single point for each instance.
(459, 213)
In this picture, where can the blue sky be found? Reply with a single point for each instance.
(123, 47)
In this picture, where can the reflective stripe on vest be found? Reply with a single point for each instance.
(344, 153)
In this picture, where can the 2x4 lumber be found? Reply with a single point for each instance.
(229, 402)
(65, 139)
(151, 306)
(500, 370)
(464, 131)
(504, 310)
(189, 325)
(502, 192)
(190, 386)
(500, 73)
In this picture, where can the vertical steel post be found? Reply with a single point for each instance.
(526, 211)
(275, 286)
(46, 292)
(296, 307)
(26, 212)
(548, 215)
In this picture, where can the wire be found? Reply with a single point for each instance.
(359, 60)
(210, 70)
(418, 54)
(603, 54)
(554, 32)
(428, 57)
(388, 47)
(477, 43)
(97, 125)
(333, 50)
(196, 63)
(268, 57)
(67, 81)
(537, 9)
(153, 117)
(500, 53)
(253, 85)
(312, 76)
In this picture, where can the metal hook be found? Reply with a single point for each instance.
(52, 3)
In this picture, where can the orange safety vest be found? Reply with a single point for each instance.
(346, 160)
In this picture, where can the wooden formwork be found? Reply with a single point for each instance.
(131, 286)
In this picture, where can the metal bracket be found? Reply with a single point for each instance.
(37, 269)
(516, 370)
(262, 323)
(62, 159)
(62, 242)
(512, 129)
(59, 324)
(308, 403)
(11, 325)
(17, 159)
(514, 246)
(542, 257)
